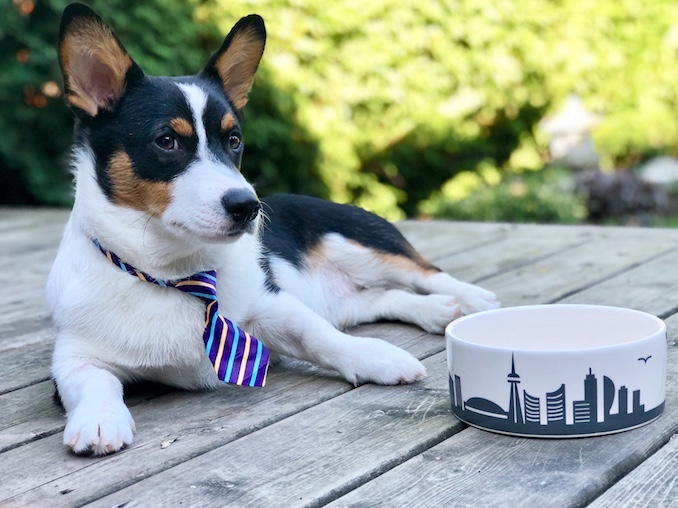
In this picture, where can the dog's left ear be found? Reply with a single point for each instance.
(236, 62)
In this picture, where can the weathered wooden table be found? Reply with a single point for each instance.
(311, 439)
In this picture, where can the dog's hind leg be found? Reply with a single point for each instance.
(470, 297)
(373, 277)
(432, 312)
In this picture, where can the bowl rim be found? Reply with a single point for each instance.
(450, 337)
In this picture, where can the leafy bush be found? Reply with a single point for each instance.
(547, 196)
(380, 103)
(398, 96)
(401, 97)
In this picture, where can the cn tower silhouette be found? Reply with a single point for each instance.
(515, 413)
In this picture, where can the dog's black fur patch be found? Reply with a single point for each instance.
(295, 224)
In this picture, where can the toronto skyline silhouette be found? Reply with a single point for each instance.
(524, 414)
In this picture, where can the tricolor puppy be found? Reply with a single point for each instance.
(160, 198)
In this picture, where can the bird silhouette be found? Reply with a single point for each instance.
(645, 359)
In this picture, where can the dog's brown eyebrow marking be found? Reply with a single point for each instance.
(134, 192)
(182, 126)
(228, 121)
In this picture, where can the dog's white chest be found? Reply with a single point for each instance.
(122, 320)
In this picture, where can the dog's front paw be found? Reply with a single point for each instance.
(377, 361)
(99, 429)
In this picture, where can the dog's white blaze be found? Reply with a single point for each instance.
(197, 101)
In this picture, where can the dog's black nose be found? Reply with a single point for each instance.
(241, 205)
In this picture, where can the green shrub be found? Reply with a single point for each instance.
(546, 196)
(379, 103)
(401, 96)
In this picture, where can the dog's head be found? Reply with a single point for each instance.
(167, 147)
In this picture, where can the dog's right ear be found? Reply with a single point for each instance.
(97, 70)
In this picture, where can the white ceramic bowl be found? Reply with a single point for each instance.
(557, 370)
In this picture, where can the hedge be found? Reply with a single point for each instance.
(379, 103)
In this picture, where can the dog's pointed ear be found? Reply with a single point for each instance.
(97, 70)
(236, 62)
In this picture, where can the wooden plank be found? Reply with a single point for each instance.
(25, 331)
(205, 421)
(436, 239)
(41, 256)
(648, 287)
(13, 333)
(198, 423)
(28, 415)
(21, 241)
(32, 365)
(27, 248)
(556, 277)
(26, 366)
(654, 484)
(13, 219)
(441, 239)
(553, 260)
(300, 474)
(516, 252)
(546, 253)
(311, 456)
(33, 413)
(478, 468)
(201, 421)
(20, 314)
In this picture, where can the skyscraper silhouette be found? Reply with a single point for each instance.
(637, 406)
(458, 401)
(555, 405)
(515, 413)
(532, 408)
(608, 396)
(591, 395)
(623, 400)
(586, 411)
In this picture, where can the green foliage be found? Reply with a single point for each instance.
(379, 103)
(280, 153)
(546, 196)
(400, 96)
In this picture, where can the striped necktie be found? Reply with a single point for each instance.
(238, 357)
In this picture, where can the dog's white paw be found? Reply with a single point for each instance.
(476, 299)
(377, 361)
(435, 312)
(99, 429)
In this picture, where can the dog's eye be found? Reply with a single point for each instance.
(234, 141)
(167, 142)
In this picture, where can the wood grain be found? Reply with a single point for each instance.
(309, 438)
(654, 484)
